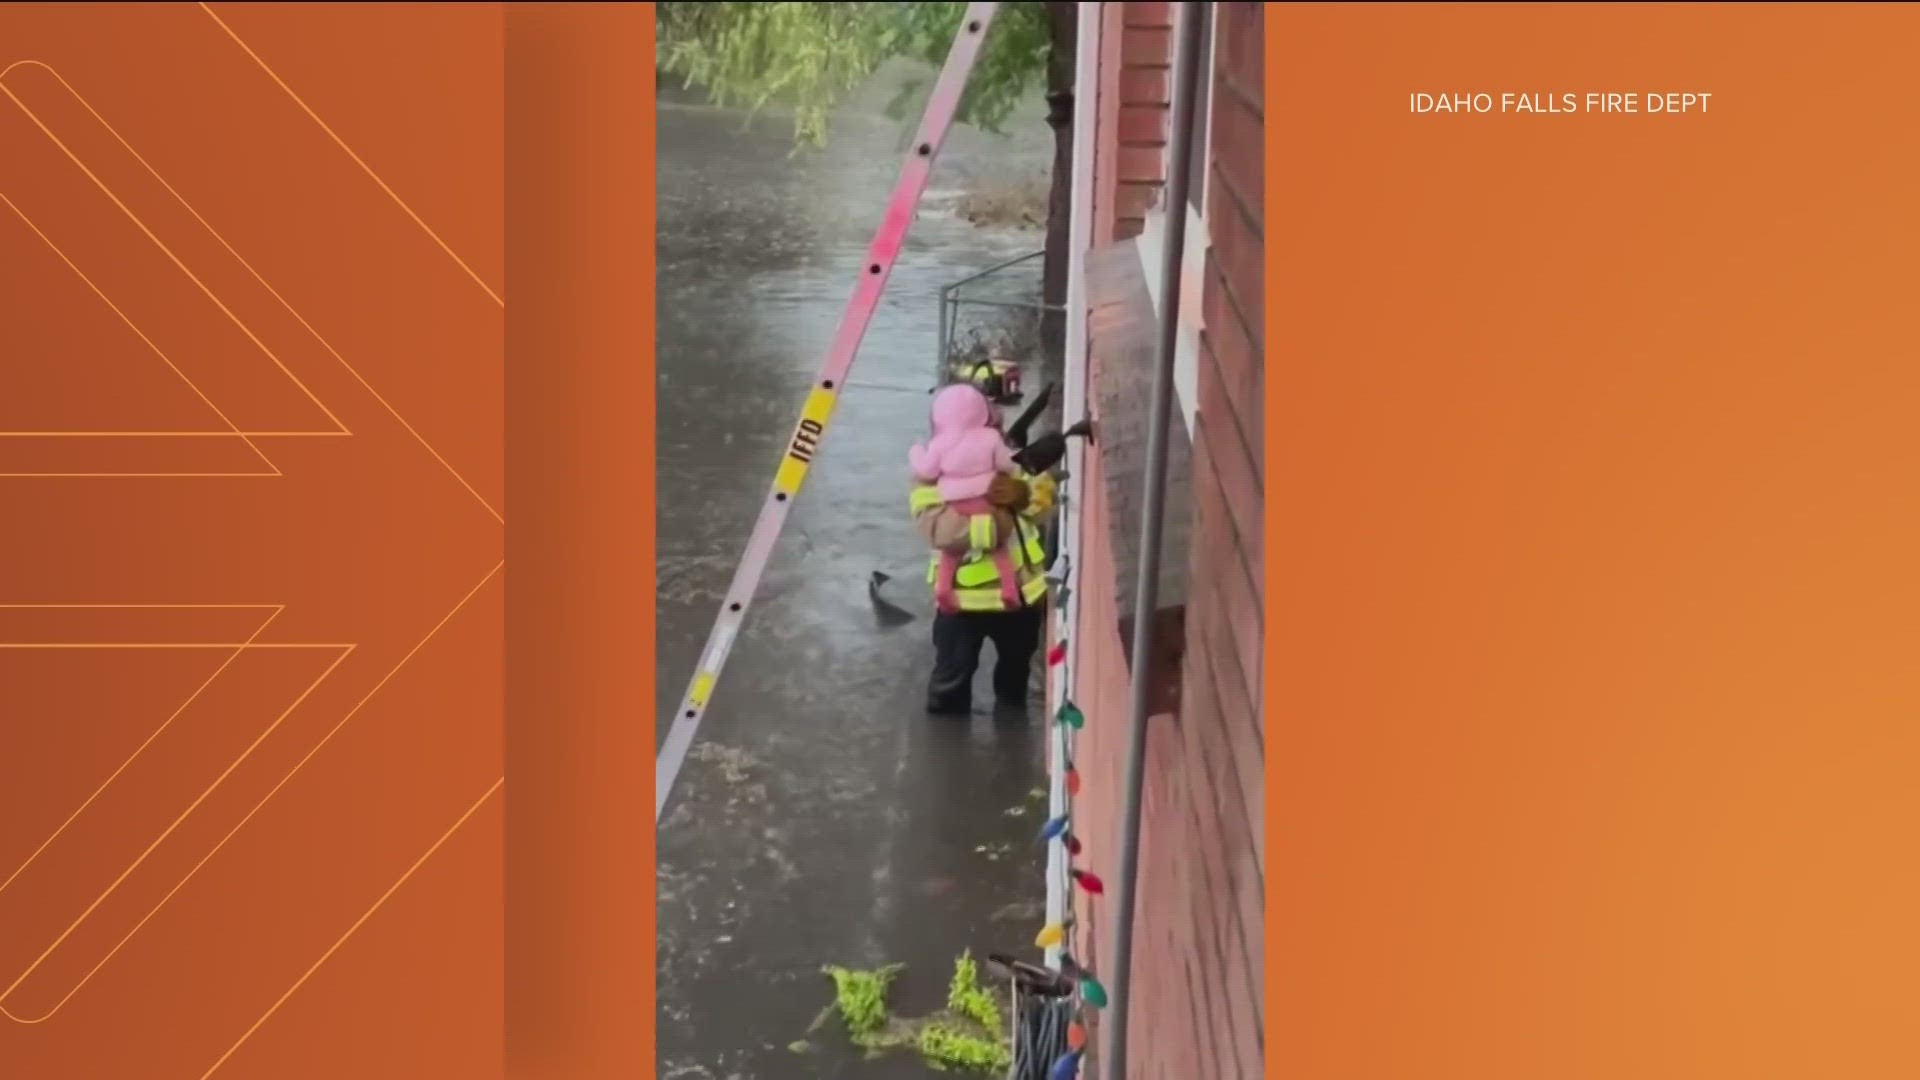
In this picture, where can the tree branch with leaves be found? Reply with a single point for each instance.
(810, 57)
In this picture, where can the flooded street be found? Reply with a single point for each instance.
(822, 817)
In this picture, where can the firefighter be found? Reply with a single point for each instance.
(980, 612)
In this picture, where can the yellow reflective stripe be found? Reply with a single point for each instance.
(924, 499)
(980, 569)
(702, 688)
(978, 600)
(1034, 590)
(980, 532)
(1036, 552)
(1028, 551)
(969, 575)
(805, 442)
(976, 573)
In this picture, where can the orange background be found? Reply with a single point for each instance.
(205, 256)
(1593, 697)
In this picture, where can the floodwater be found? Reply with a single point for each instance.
(822, 817)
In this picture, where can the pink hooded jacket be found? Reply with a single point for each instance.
(966, 451)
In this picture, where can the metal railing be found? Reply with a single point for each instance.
(978, 290)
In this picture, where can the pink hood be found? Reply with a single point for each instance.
(966, 450)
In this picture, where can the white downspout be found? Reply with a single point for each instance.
(1086, 123)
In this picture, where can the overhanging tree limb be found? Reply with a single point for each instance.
(809, 56)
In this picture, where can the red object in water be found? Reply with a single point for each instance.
(1057, 655)
(1090, 883)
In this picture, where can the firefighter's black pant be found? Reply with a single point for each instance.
(956, 656)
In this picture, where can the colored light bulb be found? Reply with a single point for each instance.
(1073, 844)
(1050, 935)
(1067, 1067)
(1057, 655)
(1089, 882)
(1092, 992)
(1073, 782)
(1076, 1036)
(1071, 715)
(1053, 828)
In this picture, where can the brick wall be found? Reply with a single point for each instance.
(1144, 90)
(1135, 89)
(1222, 724)
(1198, 992)
(1101, 693)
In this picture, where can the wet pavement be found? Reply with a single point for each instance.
(822, 817)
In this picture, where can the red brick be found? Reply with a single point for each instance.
(1220, 743)
(1241, 607)
(1237, 143)
(1201, 697)
(1217, 939)
(1251, 899)
(1221, 845)
(1242, 979)
(1240, 728)
(1136, 198)
(1198, 971)
(1172, 916)
(1222, 687)
(1221, 450)
(1152, 15)
(1141, 125)
(1142, 47)
(1142, 164)
(1242, 257)
(1143, 86)
(1242, 404)
(1241, 56)
(1231, 679)
(1248, 1041)
(1238, 361)
(1199, 1053)
(1223, 823)
(1218, 549)
(1160, 905)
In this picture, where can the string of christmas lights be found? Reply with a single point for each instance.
(1069, 720)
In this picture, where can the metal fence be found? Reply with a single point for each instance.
(996, 311)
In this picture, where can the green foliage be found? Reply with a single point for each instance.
(862, 1000)
(969, 1035)
(965, 998)
(810, 56)
(951, 1047)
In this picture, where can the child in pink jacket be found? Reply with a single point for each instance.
(964, 455)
